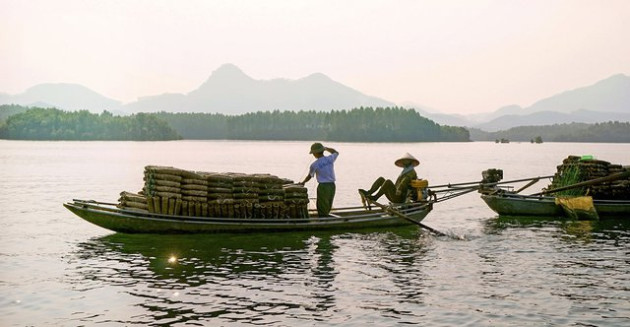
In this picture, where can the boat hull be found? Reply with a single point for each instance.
(128, 221)
(521, 205)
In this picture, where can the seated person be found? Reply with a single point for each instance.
(395, 192)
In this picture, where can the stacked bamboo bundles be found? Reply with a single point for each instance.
(296, 200)
(173, 191)
(194, 195)
(132, 201)
(220, 199)
(575, 169)
(162, 186)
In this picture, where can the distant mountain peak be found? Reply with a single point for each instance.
(608, 95)
(318, 76)
(228, 69)
(227, 74)
(64, 96)
(622, 77)
(229, 90)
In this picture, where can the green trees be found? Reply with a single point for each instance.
(609, 132)
(356, 125)
(7, 110)
(55, 124)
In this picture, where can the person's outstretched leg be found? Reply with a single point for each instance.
(388, 188)
(375, 186)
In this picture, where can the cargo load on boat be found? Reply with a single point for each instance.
(179, 192)
(576, 169)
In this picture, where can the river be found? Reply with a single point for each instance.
(58, 270)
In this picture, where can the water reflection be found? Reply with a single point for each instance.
(258, 278)
(583, 264)
(578, 230)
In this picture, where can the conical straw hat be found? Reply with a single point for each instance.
(407, 156)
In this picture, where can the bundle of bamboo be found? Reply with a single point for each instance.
(132, 201)
(174, 191)
(575, 169)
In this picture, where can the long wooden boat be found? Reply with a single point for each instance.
(109, 216)
(510, 204)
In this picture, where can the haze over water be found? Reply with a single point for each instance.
(58, 270)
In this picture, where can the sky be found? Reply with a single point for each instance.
(465, 57)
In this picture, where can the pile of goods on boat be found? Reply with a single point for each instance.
(174, 191)
(576, 169)
(581, 188)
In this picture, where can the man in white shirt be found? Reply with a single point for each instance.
(324, 169)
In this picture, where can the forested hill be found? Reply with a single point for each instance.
(610, 132)
(55, 124)
(356, 125)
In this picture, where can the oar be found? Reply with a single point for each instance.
(476, 183)
(395, 212)
(609, 178)
(534, 181)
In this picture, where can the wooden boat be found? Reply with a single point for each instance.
(511, 204)
(552, 202)
(109, 216)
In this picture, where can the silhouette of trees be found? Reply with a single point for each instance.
(364, 124)
(55, 124)
(609, 132)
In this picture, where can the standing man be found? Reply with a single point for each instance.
(324, 168)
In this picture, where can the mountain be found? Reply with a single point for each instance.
(447, 119)
(608, 95)
(438, 117)
(606, 100)
(62, 96)
(230, 91)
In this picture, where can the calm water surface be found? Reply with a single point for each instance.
(58, 270)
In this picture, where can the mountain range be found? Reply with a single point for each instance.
(230, 91)
(63, 96)
(606, 100)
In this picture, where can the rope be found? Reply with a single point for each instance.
(454, 195)
(305, 171)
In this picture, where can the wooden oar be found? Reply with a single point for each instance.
(397, 213)
(609, 178)
(533, 181)
(477, 183)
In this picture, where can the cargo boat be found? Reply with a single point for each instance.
(582, 188)
(125, 220)
(545, 206)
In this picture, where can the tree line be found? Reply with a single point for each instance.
(356, 125)
(364, 124)
(55, 124)
(608, 132)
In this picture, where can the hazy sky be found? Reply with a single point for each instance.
(455, 56)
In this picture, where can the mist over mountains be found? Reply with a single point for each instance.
(230, 91)
(606, 100)
(63, 96)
